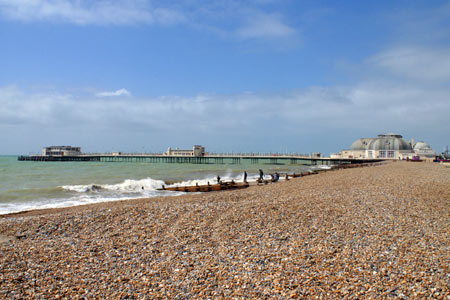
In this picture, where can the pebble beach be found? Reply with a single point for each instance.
(378, 232)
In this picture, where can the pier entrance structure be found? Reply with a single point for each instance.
(61, 151)
(197, 151)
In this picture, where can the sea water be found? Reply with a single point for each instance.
(28, 185)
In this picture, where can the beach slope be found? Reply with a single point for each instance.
(374, 232)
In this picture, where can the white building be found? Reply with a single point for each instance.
(384, 146)
(423, 150)
(61, 151)
(196, 151)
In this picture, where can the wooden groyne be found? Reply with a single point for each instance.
(207, 187)
(232, 185)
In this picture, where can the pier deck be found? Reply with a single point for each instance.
(208, 159)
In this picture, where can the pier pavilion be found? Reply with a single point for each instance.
(384, 146)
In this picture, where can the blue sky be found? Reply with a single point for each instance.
(261, 75)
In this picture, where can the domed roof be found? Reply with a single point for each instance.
(390, 141)
(421, 146)
(361, 144)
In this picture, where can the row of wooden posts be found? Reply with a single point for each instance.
(232, 185)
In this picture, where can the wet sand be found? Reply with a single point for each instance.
(374, 232)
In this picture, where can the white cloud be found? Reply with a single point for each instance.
(84, 12)
(418, 63)
(261, 25)
(245, 20)
(363, 106)
(118, 93)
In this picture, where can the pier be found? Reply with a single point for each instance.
(273, 159)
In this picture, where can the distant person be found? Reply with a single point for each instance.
(245, 176)
(218, 179)
(276, 177)
(261, 175)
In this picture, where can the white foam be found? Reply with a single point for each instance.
(324, 167)
(128, 185)
(94, 193)
(83, 199)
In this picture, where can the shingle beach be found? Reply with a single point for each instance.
(380, 232)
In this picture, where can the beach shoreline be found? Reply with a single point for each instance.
(51, 210)
(380, 232)
(38, 185)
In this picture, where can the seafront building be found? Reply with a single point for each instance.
(386, 146)
(422, 149)
(61, 151)
(197, 151)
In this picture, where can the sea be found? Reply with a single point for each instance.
(28, 185)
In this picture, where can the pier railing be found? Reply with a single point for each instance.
(210, 158)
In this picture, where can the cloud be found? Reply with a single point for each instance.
(118, 93)
(360, 107)
(261, 25)
(83, 12)
(417, 63)
(235, 19)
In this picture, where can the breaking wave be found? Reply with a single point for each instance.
(127, 186)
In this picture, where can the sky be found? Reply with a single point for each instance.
(291, 76)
